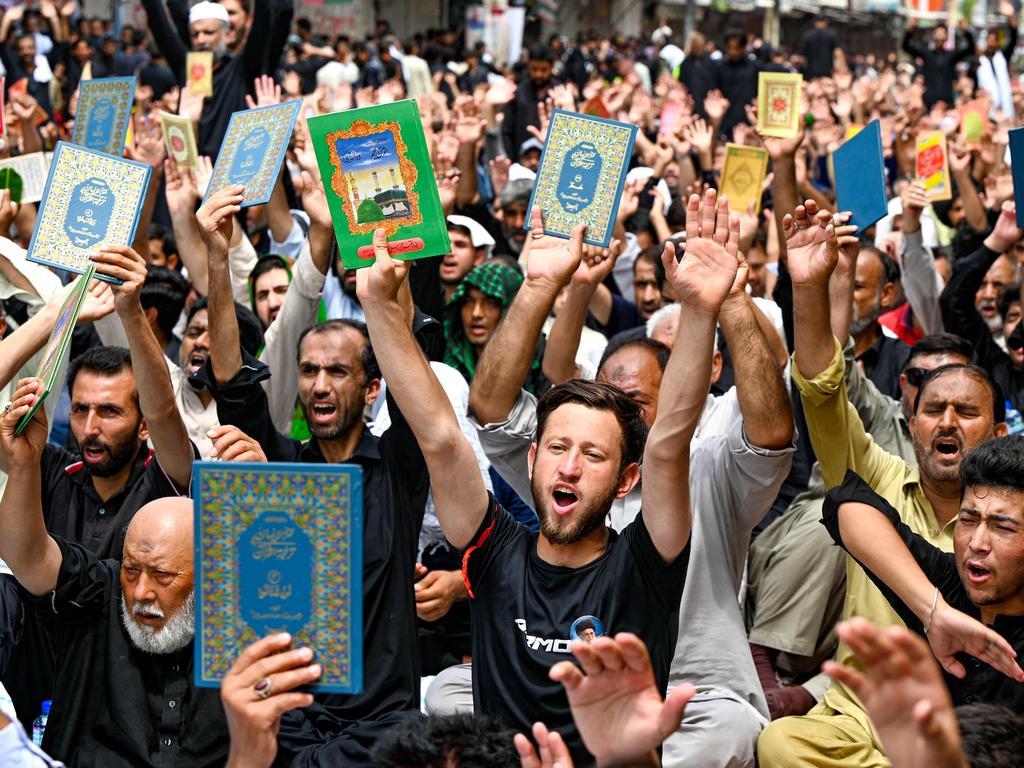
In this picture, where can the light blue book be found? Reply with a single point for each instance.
(581, 175)
(253, 150)
(860, 177)
(278, 548)
(103, 114)
(91, 200)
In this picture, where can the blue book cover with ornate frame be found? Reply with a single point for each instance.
(278, 548)
(103, 113)
(253, 136)
(581, 175)
(91, 200)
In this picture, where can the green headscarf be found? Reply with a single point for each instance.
(492, 278)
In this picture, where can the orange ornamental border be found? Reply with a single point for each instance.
(360, 129)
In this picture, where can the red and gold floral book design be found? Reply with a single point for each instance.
(778, 103)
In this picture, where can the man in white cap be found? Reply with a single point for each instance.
(210, 29)
(471, 244)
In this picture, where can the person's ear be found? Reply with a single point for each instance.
(143, 431)
(628, 480)
(716, 367)
(889, 292)
(530, 459)
(1000, 429)
(372, 392)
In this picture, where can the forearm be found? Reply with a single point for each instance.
(31, 141)
(666, 461)
(225, 352)
(278, 216)
(465, 161)
(156, 397)
(192, 249)
(18, 348)
(763, 397)
(812, 334)
(840, 295)
(559, 363)
(141, 244)
(869, 536)
(784, 195)
(506, 359)
(459, 493)
(921, 283)
(660, 225)
(25, 545)
(974, 208)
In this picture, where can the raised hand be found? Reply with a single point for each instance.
(596, 263)
(551, 260)
(552, 751)
(268, 93)
(232, 444)
(314, 201)
(953, 632)
(254, 717)
(810, 246)
(98, 303)
(499, 173)
(707, 271)
(190, 105)
(215, 218)
(847, 244)
(903, 693)
(148, 144)
(915, 200)
(448, 188)
(25, 450)
(1005, 233)
(615, 701)
(715, 107)
(179, 188)
(381, 281)
(203, 172)
(122, 263)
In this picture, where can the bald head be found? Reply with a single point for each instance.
(162, 528)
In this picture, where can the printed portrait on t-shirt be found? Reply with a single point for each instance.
(586, 628)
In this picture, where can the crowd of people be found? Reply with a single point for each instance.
(744, 488)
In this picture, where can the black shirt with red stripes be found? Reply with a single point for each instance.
(525, 611)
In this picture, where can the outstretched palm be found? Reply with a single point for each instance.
(707, 271)
(616, 704)
(548, 258)
(810, 245)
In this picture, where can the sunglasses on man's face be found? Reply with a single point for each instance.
(915, 376)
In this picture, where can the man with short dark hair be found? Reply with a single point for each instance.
(938, 60)
(523, 111)
(337, 379)
(875, 288)
(969, 601)
(470, 243)
(528, 590)
(818, 46)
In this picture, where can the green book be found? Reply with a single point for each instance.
(377, 173)
(10, 179)
(57, 348)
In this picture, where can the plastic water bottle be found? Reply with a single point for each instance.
(1014, 422)
(39, 724)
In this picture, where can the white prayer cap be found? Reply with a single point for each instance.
(518, 171)
(643, 173)
(205, 10)
(481, 237)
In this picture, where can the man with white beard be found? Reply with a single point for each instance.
(122, 632)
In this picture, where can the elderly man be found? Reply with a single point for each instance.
(122, 632)
(210, 29)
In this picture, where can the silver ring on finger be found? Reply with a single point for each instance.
(263, 688)
(536, 235)
(7, 407)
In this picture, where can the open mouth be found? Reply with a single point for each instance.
(987, 310)
(976, 573)
(564, 500)
(93, 454)
(947, 446)
(197, 360)
(323, 413)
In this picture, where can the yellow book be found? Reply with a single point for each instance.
(180, 139)
(743, 176)
(199, 66)
(778, 103)
(933, 165)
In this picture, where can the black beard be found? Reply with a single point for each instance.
(594, 515)
(118, 456)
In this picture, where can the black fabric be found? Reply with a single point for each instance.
(939, 66)
(737, 80)
(395, 484)
(697, 73)
(982, 684)
(522, 609)
(883, 362)
(521, 112)
(818, 46)
(960, 316)
(232, 78)
(114, 705)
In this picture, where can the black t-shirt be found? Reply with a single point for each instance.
(525, 612)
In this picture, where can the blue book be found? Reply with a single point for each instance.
(253, 150)
(279, 548)
(1017, 167)
(103, 114)
(91, 200)
(859, 170)
(581, 175)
